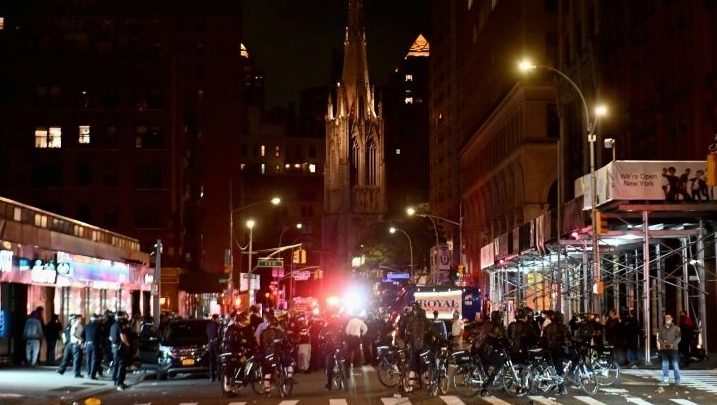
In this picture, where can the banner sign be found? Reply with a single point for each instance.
(654, 180)
(445, 302)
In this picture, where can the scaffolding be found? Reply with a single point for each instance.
(654, 258)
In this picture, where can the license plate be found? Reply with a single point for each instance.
(188, 362)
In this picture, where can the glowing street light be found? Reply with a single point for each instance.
(601, 110)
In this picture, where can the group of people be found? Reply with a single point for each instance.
(109, 338)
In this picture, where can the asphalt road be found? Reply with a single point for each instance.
(638, 387)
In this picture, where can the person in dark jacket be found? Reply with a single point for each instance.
(53, 333)
(614, 335)
(212, 331)
(631, 331)
(93, 346)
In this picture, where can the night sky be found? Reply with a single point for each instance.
(292, 40)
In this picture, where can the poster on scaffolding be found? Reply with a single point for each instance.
(661, 180)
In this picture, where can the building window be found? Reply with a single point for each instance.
(2, 23)
(263, 150)
(48, 137)
(409, 78)
(84, 175)
(409, 100)
(398, 151)
(111, 135)
(277, 151)
(84, 135)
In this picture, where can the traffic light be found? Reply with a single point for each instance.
(601, 226)
(296, 256)
(302, 256)
(318, 274)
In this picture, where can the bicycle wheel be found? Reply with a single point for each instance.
(542, 378)
(389, 374)
(466, 382)
(607, 373)
(228, 382)
(285, 383)
(587, 379)
(443, 383)
(516, 380)
(339, 378)
(256, 379)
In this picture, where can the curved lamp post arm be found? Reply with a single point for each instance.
(410, 247)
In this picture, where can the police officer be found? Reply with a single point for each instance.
(212, 331)
(331, 338)
(77, 338)
(93, 346)
(119, 336)
(273, 340)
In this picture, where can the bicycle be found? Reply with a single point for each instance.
(470, 378)
(602, 360)
(437, 374)
(544, 376)
(578, 371)
(277, 358)
(239, 371)
(391, 365)
(340, 374)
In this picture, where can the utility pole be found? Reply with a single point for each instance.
(157, 282)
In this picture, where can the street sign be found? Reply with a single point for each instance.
(301, 275)
(271, 263)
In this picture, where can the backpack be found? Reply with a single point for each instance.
(415, 332)
(557, 334)
(269, 335)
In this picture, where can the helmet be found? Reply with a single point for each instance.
(242, 319)
(519, 313)
(528, 311)
(496, 316)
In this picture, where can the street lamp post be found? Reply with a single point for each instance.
(410, 247)
(283, 231)
(229, 254)
(250, 224)
(591, 137)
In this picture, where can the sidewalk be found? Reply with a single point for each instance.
(42, 385)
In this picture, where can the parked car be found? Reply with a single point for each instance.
(180, 349)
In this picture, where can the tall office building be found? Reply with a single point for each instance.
(127, 115)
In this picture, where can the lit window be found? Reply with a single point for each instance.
(263, 150)
(84, 134)
(242, 166)
(398, 151)
(409, 100)
(312, 168)
(263, 168)
(409, 78)
(2, 23)
(55, 137)
(276, 151)
(41, 137)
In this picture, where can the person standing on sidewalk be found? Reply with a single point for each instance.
(53, 330)
(212, 331)
(93, 347)
(119, 336)
(67, 349)
(668, 339)
(33, 334)
(77, 338)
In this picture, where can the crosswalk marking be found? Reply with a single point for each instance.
(543, 400)
(189, 403)
(589, 400)
(638, 401)
(495, 401)
(289, 402)
(683, 401)
(233, 403)
(338, 401)
(395, 401)
(452, 400)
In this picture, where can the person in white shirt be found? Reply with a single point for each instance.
(457, 327)
(355, 328)
(76, 338)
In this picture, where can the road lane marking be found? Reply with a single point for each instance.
(338, 401)
(452, 400)
(543, 400)
(495, 400)
(683, 401)
(589, 400)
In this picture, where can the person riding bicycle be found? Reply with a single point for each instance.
(556, 336)
(238, 336)
(492, 335)
(419, 332)
(522, 336)
(273, 342)
(331, 337)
